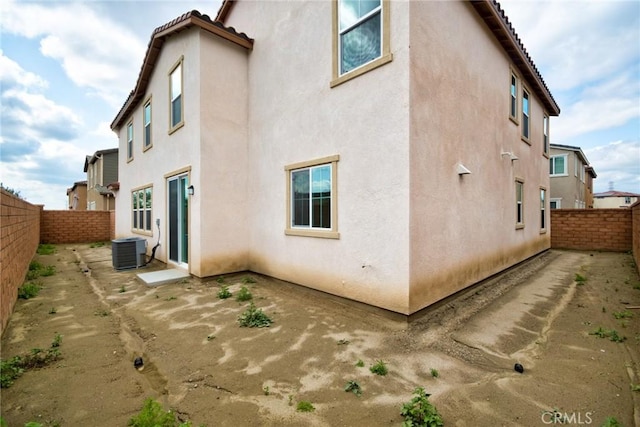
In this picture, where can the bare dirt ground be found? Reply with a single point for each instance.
(206, 368)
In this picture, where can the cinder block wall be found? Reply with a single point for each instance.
(592, 229)
(19, 237)
(75, 226)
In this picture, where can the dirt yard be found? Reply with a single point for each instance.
(201, 364)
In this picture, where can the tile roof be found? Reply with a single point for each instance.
(613, 193)
(158, 37)
(493, 15)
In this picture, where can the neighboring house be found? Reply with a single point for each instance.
(77, 196)
(392, 153)
(102, 170)
(571, 178)
(615, 199)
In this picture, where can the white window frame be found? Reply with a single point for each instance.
(173, 81)
(543, 209)
(147, 137)
(557, 201)
(545, 134)
(310, 231)
(519, 203)
(513, 97)
(526, 115)
(130, 141)
(552, 172)
(141, 216)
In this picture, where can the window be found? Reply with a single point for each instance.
(141, 209)
(361, 37)
(545, 134)
(175, 92)
(543, 200)
(130, 141)
(513, 111)
(627, 200)
(147, 125)
(525, 114)
(519, 204)
(558, 165)
(555, 203)
(311, 195)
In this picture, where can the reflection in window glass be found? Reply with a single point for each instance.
(360, 32)
(311, 197)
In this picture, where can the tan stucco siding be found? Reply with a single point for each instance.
(295, 117)
(463, 228)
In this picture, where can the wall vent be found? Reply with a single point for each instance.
(129, 252)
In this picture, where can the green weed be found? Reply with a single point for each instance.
(224, 292)
(96, 245)
(53, 310)
(434, 373)
(420, 412)
(611, 334)
(29, 290)
(244, 294)
(122, 289)
(343, 342)
(304, 406)
(248, 279)
(13, 368)
(353, 387)
(46, 249)
(580, 279)
(360, 363)
(265, 390)
(153, 414)
(626, 314)
(635, 387)
(220, 279)
(254, 317)
(611, 422)
(379, 368)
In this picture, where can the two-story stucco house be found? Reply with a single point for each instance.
(77, 196)
(392, 153)
(615, 199)
(571, 178)
(101, 169)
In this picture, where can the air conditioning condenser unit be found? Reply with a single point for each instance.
(128, 252)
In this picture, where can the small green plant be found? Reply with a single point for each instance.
(10, 370)
(379, 368)
(13, 368)
(611, 422)
(304, 406)
(434, 373)
(265, 390)
(580, 279)
(615, 337)
(420, 412)
(32, 424)
(353, 387)
(101, 312)
(224, 292)
(171, 298)
(343, 342)
(254, 317)
(96, 245)
(611, 334)
(53, 310)
(48, 270)
(626, 314)
(153, 414)
(46, 249)
(220, 279)
(291, 400)
(29, 290)
(635, 387)
(122, 289)
(244, 294)
(636, 286)
(248, 279)
(360, 363)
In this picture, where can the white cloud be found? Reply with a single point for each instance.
(12, 74)
(96, 53)
(617, 162)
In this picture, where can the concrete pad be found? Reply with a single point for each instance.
(162, 277)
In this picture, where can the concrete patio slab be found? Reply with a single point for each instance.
(161, 277)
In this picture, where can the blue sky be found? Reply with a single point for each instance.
(67, 67)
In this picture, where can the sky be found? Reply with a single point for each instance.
(66, 68)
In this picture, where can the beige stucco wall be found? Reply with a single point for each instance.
(295, 116)
(463, 229)
(613, 202)
(569, 188)
(210, 147)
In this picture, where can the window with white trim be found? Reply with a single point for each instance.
(146, 119)
(130, 141)
(360, 32)
(558, 165)
(311, 198)
(545, 134)
(519, 203)
(176, 110)
(543, 210)
(513, 109)
(141, 209)
(555, 203)
(526, 112)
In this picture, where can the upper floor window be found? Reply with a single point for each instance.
(177, 103)
(543, 210)
(130, 141)
(311, 189)
(147, 125)
(627, 200)
(513, 111)
(558, 165)
(525, 114)
(545, 134)
(361, 37)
